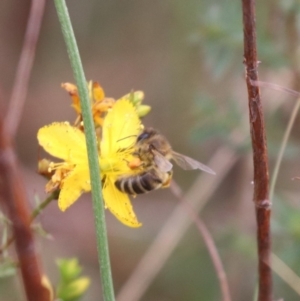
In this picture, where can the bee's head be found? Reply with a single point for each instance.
(146, 134)
(150, 139)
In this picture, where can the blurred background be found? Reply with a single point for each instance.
(187, 56)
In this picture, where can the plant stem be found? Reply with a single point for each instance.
(13, 196)
(44, 204)
(208, 240)
(98, 205)
(283, 147)
(13, 192)
(20, 87)
(34, 214)
(260, 157)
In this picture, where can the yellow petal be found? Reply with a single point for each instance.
(63, 141)
(98, 92)
(77, 182)
(119, 204)
(120, 128)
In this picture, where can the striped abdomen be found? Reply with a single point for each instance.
(143, 182)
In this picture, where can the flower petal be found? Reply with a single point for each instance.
(63, 141)
(98, 92)
(77, 182)
(119, 204)
(120, 128)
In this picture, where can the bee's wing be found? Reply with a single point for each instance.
(189, 163)
(162, 162)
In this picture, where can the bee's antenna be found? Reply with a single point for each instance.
(126, 137)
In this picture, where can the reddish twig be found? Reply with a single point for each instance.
(208, 240)
(260, 157)
(20, 86)
(13, 196)
(13, 192)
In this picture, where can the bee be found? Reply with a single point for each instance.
(146, 181)
(154, 153)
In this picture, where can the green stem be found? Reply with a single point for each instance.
(44, 204)
(98, 204)
(283, 147)
(34, 214)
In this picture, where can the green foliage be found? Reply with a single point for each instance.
(220, 36)
(72, 286)
(214, 119)
(289, 6)
(286, 225)
(286, 239)
(275, 127)
(38, 228)
(8, 268)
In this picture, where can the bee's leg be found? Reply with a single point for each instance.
(168, 179)
(135, 163)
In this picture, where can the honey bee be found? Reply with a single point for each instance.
(154, 153)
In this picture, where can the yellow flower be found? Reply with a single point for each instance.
(137, 97)
(66, 142)
(120, 129)
(100, 104)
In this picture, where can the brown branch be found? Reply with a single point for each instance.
(208, 240)
(25, 64)
(12, 190)
(260, 157)
(14, 200)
